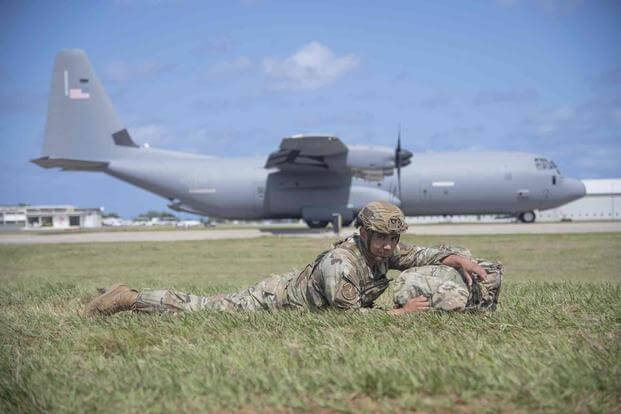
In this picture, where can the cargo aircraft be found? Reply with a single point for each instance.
(312, 177)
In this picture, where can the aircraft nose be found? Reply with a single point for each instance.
(574, 189)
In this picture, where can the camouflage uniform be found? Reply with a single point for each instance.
(340, 278)
(445, 288)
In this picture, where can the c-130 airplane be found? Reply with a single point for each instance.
(312, 177)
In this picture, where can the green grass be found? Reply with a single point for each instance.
(553, 346)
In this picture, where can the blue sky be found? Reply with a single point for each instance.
(232, 78)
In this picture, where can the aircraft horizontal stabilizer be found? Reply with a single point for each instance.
(70, 165)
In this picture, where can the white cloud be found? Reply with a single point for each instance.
(238, 65)
(311, 67)
(545, 123)
(153, 134)
(228, 141)
(121, 71)
(456, 138)
(345, 118)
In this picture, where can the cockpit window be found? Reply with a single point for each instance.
(541, 163)
(544, 164)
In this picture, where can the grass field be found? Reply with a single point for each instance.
(554, 345)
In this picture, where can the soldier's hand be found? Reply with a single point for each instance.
(467, 267)
(416, 304)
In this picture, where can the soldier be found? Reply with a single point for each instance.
(349, 276)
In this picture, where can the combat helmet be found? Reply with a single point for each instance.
(382, 217)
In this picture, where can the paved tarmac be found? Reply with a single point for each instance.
(516, 228)
(216, 234)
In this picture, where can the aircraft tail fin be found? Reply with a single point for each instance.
(82, 130)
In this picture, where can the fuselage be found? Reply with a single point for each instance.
(434, 183)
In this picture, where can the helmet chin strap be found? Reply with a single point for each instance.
(367, 245)
(369, 237)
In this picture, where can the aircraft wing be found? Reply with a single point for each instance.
(310, 153)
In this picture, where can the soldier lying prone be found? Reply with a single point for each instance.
(350, 275)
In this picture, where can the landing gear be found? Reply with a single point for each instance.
(316, 224)
(527, 217)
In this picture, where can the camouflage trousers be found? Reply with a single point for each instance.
(445, 288)
(269, 294)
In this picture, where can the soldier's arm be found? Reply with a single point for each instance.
(341, 285)
(407, 256)
(466, 267)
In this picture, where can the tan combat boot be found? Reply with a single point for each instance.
(116, 298)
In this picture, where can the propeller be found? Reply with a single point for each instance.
(398, 161)
(402, 158)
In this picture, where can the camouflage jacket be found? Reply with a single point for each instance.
(341, 277)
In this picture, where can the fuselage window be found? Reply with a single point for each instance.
(554, 180)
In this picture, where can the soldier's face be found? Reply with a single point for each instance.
(381, 245)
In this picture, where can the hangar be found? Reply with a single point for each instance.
(601, 202)
(53, 217)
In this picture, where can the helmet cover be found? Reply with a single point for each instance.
(382, 217)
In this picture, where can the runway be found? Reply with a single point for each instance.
(42, 237)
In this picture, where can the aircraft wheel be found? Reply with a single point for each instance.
(316, 224)
(527, 217)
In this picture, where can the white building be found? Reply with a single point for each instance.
(601, 202)
(12, 217)
(56, 217)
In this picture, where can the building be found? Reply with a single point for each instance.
(601, 202)
(53, 217)
(12, 217)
